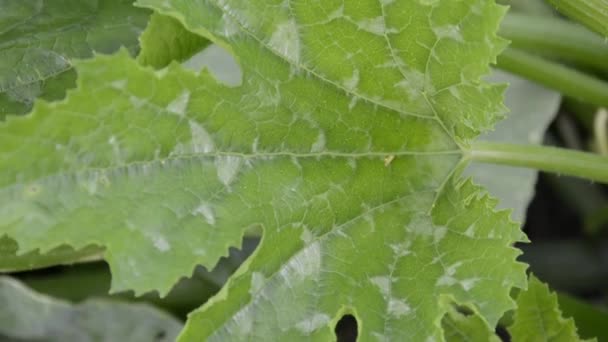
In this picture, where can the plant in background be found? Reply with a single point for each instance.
(341, 143)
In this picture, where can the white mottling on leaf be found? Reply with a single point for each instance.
(305, 264)
(179, 104)
(448, 31)
(470, 232)
(373, 25)
(227, 168)
(413, 83)
(115, 148)
(319, 144)
(257, 283)
(200, 139)
(439, 234)
(352, 82)
(398, 307)
(269, 96)
(137, 102)
(447, 279)
(313, 323)
(307, 236)
(336, 14)
(383, 283)
(402, 249)
(353, 102)
(230, 26)
(243, 323)
(468, 284)
(352, 162)
(160, 242)
(286, 41)
(119, 84)
(380, 337)
(134, 268)
(206, 211)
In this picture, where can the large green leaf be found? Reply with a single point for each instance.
(343, 144)
(538, 317)
(39, 40)
(28, 316)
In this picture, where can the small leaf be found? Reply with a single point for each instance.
(166, 40)
(590, 319)
(538, 317)
(460, 327)
(26, 315)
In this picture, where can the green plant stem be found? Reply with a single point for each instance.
(556, 38)
(550, 159)
(591, 13)
(556, 76)
(600, 128)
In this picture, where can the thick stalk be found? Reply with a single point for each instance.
(550, 159)
(556, 38)
(591, 13)
(556, 76)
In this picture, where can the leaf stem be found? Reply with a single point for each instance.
(600, 127)
(591, 13)
(556, 38)
(556, 76)
(550, 159)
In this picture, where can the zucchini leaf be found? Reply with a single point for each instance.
(343, 144)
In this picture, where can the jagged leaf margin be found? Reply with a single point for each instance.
(166, 40)
(339, 163)
(26, 315)
(538, 317)
(39, 39)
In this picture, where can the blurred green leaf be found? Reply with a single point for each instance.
(29, 316)
(39, 40)
(538, 317)
(590, 320)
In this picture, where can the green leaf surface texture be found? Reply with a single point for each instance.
(538, 317)
(460, 327)
(343, 143)
(166, 40)
(29, 316)
(40, 39)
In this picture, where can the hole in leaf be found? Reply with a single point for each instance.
(502, 333)
(464, 310)
(346, 329)
(160, 335)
